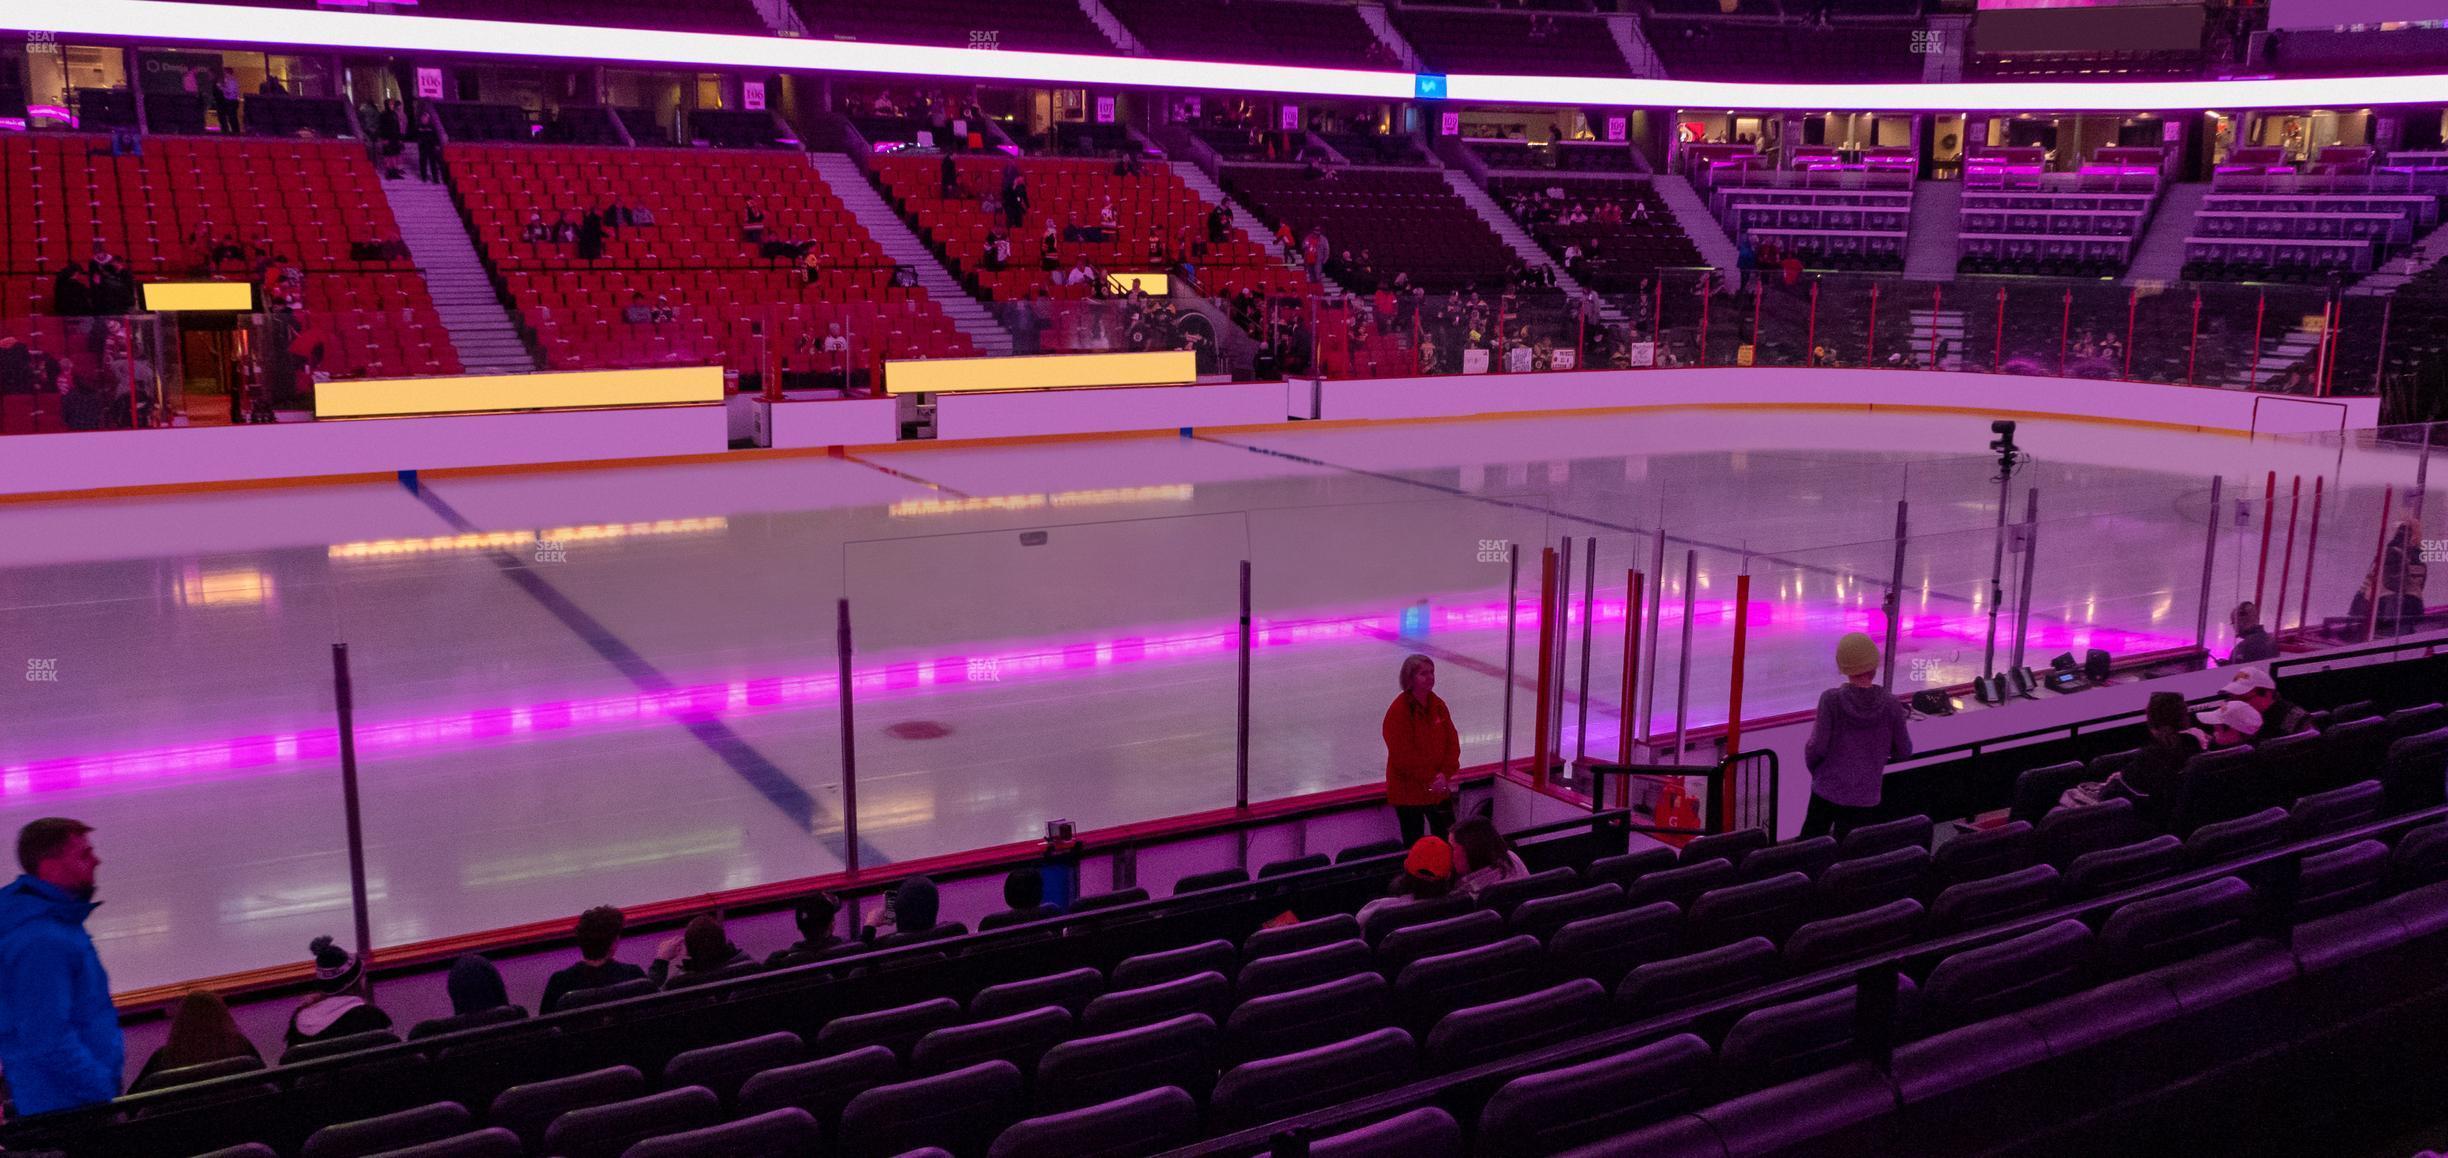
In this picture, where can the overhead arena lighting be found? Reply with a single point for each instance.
(156, 21)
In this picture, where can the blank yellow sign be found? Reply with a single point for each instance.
(493, 393)
(165, 297)
(1040, 372)
(1156, 284)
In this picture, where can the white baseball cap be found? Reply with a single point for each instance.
(2249, 680)
(2234, 714)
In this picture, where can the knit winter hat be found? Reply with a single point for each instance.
(1856, 654)
(1431, 859)
(336, 968)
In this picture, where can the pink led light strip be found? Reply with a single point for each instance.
(890, 681)
(155, 21)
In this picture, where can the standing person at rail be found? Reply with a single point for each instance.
(59, 1035)
(1860, 730)
(1423, 753)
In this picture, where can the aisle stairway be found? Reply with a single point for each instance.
(892, 235)
(2159, 256)
(480, 327)
(1949, 329)
(1515, 238)
(1692, 213)
(1200, 183)
(1935, 244)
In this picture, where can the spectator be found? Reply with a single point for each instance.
(565, 231)
(639, 215)
(636, 313)
(2232, 723)
(1860, 728)
(599, 931)
(1049, 248)
(71, 292)
(700, 948)
(475, 986)
(591, 236)
(2253, 642)
(752, 222)
(814, 916)
(271, 86)
(1023, 900)
(1107, 219)
(663, 310)
(201, 1032)
(536, 230)
(225, 101)
(1016, 201)
(911, 909)
(334, 1011)
(59, 1035)
(429, 145)
(1482, 856)
(811, 264)
(996, 253)
(1423, 752)
(2168, 740)
(2254, 688)
(1427, 874)
(392, 130)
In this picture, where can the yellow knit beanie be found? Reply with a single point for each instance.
(1855, 654)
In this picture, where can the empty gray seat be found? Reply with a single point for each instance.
(1432, 987)
(389, 1132)
(1731, 847)
(724, 1068)
(1219, 878)
(1681, 885)
(1019, 1038)
(1403, 946)
(1678, 981)
(609, 1131)
(1604, 948)
(1769, 908)
(1849, 886)
(1833, 940)
(1305, 1018)
(2097, 874)
(1540, 917)
(2336, 810)
(528, 1108)
(1808, 857)
(1179, 1051)
(1631, 866)
(1153, 968)
(2341, 879)
(1986, 902)
(1885, 836)
(1262, 1091)
(784, 1131)
(1302, 935)
(1481, 1033)
(1384, 922)
(1976, 984)
(1297, 864)
(1144, 1123)
(1207, 993)
(2227, 840)
(1112, 900)
(1072, 990)
(488, 1143)
(1983, 853)
(896, 1029)
(1427, 1132)
(821, 1087)
(1544, 1113)
(1504, 895)
(1299, 970)
(2157, 930)
(960, 1112)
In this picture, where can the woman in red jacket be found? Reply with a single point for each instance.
(1423, 754)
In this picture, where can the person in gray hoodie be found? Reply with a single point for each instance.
(1860, 729)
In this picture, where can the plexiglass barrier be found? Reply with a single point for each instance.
(549, 717)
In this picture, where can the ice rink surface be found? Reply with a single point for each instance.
(621, 685)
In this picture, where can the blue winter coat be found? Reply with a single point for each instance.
(59, 1035)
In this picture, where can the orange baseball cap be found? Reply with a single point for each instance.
(1431, 859)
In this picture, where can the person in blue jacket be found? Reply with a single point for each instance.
(59, 1035)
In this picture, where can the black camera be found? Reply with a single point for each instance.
(2004, 442)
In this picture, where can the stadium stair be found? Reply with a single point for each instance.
(1214, 194)
(1113, 28)
(1949, 328)
(2297, 348)
(893, 236)
(1382, 24)
(1521, 243)
(1698, 223)
(2159, 256)
(1635, 47)
(1931, 252)
(480, 328)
